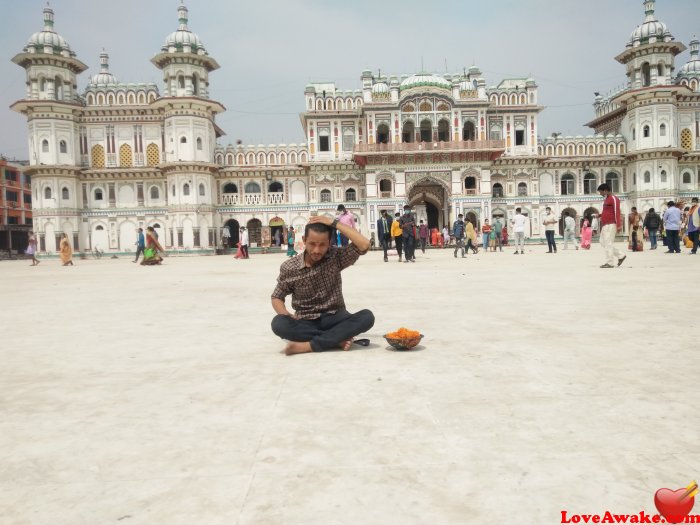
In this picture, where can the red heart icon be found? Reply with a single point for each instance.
(672, 505)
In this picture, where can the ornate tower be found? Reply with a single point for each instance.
(52, 108)
(189, 132)
(650, 110)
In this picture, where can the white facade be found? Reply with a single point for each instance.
(122, 156)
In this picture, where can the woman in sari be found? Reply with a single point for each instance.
(291, 252)
(150, 254)
(504, 235)
(31, 249)
(635, 239)
(66, 251)
(471, 237)
(586, 235)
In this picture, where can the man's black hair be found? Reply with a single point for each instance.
(566, 214)
(604, 187)
(460, 215)
(318, 227)
(652, 210)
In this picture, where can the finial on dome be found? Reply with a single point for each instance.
(182, 17)
(649, 9)
(104, 62)
(694, 47)
(48, 18)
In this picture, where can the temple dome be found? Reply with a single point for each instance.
(692, 68)
(425, 79)
(179, 40)
(48, 38)
(104, 77)
(651, 30)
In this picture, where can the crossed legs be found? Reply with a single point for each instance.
(324, 333)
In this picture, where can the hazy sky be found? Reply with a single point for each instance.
(270, 49)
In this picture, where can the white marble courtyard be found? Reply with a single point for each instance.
(158, 395)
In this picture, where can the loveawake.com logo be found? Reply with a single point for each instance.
(674, 506)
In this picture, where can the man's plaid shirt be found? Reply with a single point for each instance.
(317, 289)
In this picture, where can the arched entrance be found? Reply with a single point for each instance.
(254, 227)
(277, 225)
(433, 215)
(572, 212)
(428, 198)
(471, 217)
(233, 230)
(588, 214)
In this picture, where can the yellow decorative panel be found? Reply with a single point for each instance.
(98, 156)
(152, 155)
(337, 147)
(312, 148)
(686, 139)
(125, 157)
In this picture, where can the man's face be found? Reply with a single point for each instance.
(316, 245)
(602, 193)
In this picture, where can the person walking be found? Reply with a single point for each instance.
(313, 278)
(345, 217)
(651, 224)
(610, 225)
(384, 224)
(672, 226)
(140, 244)
(445, 236)
(634, 221)
(423, 235)
(31, 248)
(458, 229)
(244, 243)
(550, 226)
(485, 235)
(586, 235)
(518, 224)
(471, 236)
(595, 224)
(569, 230)
(408, 229)
(397, 234)
(498, 230)
(150, 254)
(291, 252)
(66, 250)
(694, 225)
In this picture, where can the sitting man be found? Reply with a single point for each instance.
(321, 321)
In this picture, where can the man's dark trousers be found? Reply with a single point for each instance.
(409, 247)
(325, 332)
(386, 242)
(550, 240)
(695, 237)
(139, 251)
(399, 244)
(674, 242)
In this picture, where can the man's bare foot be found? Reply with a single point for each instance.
(345, 345)
(297, 348)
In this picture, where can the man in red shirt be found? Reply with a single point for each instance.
(610, 225)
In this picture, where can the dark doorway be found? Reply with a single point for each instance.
(433, 215)
(254, 232)
(471, 216)
(233, 229)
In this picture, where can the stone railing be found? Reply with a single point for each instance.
(403, 147)
(253, 198)
(229, 199)
(275, 198)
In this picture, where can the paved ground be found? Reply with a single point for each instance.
(158, 395)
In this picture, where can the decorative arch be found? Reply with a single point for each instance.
(283, 158)
(219, 159)
(428, 179)
(560, 150)
(121, 99)
(125, 156)
(293, 157)
(100, 99)
(550, 150)
(513, 99)
(250, 159)
(98, 156)
(131, 98)
(303, 157)
(110, 99)
(152, 155)
(240, 159)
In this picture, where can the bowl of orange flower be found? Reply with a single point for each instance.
(403, 338)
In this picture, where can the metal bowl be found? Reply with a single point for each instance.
(403, 343)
